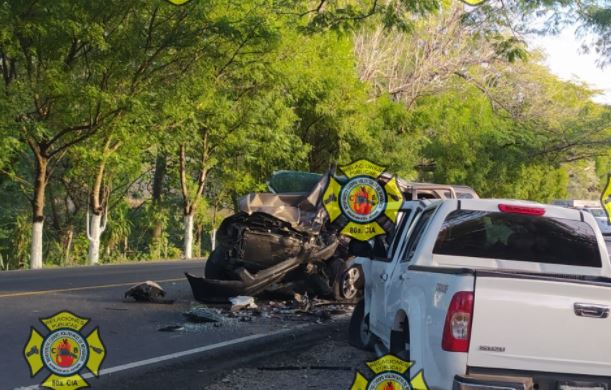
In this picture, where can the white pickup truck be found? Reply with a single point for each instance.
(491, 294)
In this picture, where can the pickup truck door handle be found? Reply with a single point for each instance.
(404, 276)
(384, 276)
(591, 310)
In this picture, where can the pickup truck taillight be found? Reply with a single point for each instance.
(526, 210)
(457, 329)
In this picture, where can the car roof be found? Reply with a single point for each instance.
(493, 205)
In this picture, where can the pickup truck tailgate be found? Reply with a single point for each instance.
(541, 324)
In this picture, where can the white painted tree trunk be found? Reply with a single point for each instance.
(95, 228)
(213, 239)
(95, 224)
(188, 243)
(36, 254)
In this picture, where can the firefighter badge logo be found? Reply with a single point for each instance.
(390, 373)
(366, 204)
(179, 2)
(605, 198)
(473, 2)
(64, 351)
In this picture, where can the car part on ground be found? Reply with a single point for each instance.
(148, 291)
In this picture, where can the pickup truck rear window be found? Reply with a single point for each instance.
(518, 237)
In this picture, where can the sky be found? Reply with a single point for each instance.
(566, 61)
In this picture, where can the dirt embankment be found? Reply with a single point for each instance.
(330, 364)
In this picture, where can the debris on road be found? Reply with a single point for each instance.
(148, 291)
(304, 302)
(203, 314)
(203, 318)
(301, 308)
(242, 302)
(171, 328)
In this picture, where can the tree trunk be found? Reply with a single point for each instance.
(160, 171)
(190, 203)
(38, 217)
(213, 239)
(188, 243)
(157, 230)
(94, 233)
(36, 254)
(68, 244)
(97, 223)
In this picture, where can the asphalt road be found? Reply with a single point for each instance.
(129, 330)
(137, 352)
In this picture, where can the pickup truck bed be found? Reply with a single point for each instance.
(566, 319)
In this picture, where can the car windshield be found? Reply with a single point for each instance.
(518, 237)
(284, 182)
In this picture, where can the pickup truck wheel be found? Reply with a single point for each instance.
(399, 344)
(348, 284)
(213, 268)
(358, 331)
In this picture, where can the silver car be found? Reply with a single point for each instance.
(602, 220)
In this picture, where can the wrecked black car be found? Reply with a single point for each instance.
(281, 241)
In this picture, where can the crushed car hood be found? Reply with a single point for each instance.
(303, 211)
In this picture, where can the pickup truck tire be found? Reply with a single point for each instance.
(399, 344)
(358, 332)
(213, 268)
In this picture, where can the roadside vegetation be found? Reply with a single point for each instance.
(128, 129)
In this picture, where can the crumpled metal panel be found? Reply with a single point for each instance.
(304, 212)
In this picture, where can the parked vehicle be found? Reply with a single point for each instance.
(601, 219)
(491, 294)
(576, 203)
(283, 241)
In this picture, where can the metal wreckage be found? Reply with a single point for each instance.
(284, 242)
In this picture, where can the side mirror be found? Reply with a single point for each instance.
(374, 249)
(360, 248)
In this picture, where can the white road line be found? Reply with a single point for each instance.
(177, 355)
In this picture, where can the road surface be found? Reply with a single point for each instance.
(130, 331)
(138, 354)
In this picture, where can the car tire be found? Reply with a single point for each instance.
(214, 265)
(358, 332)
(348, 284)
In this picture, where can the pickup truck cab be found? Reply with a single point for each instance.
(492, 294)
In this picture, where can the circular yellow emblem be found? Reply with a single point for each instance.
(363, 199)
(64, 352)
(389, 381)
(473, 2)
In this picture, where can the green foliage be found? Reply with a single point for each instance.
(590, 18)
(103, 88)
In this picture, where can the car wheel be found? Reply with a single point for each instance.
(214, 265)
(348, 284)
(358, 331)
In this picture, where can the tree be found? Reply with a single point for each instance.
(591, 20)
(71, 69)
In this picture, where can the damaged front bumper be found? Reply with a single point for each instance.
(215, 290)
(210, 290)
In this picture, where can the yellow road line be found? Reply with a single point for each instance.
(42, 292)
